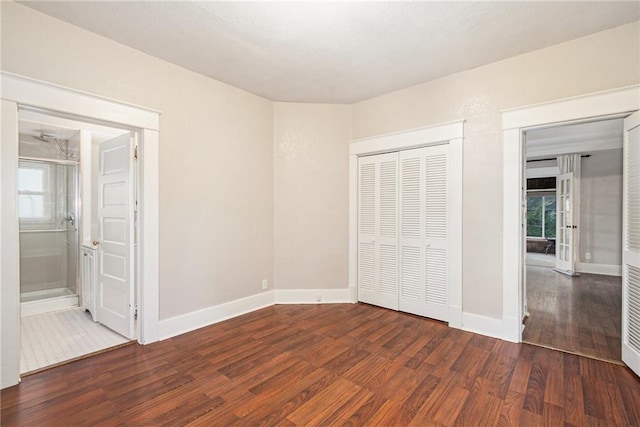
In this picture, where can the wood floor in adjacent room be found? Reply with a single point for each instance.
(334, 364)
(578, 314)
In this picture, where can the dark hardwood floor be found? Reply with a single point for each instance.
(578, 314)
(342, 364)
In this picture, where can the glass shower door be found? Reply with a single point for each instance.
(47, 209)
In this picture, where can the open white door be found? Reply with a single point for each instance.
(631, 244)
(564, 222)
(115, 293)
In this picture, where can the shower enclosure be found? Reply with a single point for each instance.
(48, 201)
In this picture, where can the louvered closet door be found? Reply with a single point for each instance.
(423, 232)
(378, 230)
(631, 245)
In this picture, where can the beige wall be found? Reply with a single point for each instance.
(216, 193)
(311, 195)
(605, 60)
(601, 208)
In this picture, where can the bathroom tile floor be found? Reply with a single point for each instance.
(58, 336)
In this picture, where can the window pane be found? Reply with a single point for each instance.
(549, 216)
(30, 179)
(534, 216)
(30, 206)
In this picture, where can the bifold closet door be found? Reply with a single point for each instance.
(378, 230)
(423, 240)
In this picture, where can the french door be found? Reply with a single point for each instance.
(564, 222)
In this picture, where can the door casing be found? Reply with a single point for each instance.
(19, 91)
(610, 104)
(450, 133)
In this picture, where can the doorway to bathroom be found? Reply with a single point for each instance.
(62, 196)
(20, 95)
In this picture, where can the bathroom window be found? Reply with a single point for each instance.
(34, 192)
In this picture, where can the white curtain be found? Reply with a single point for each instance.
(571, 163)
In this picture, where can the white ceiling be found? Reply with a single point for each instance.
(339, 52)
(575, 138)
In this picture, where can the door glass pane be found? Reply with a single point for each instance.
(549, 217)
(534, 216)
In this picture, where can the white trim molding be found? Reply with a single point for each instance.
(9, 259)
(604, 269)
(39, 94)
(208, 316)
(22, 93)
(406, 139)
(218, 313)
(482, 325)
(451, 133)
(313, 296)
(607, 104)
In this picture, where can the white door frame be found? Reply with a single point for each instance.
(617, 102)
(447, 133)
(19, 91)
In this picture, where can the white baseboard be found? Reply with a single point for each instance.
(482, 325)
(208, 316)
(512, 329)
(313, 296)
(605, 269)
(353, 293)
(218, 313)
(455, 317)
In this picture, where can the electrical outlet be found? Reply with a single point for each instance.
(265, 284)
(587, 256)
(318, 297)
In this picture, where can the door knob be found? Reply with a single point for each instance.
(95, 243)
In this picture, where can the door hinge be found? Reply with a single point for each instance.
(135, 152)
(135, 312)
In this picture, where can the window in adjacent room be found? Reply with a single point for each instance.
(541, 208)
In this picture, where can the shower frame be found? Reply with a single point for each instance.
(56, 302)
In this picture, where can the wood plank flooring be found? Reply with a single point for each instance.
(578, 314)
(333, 364)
